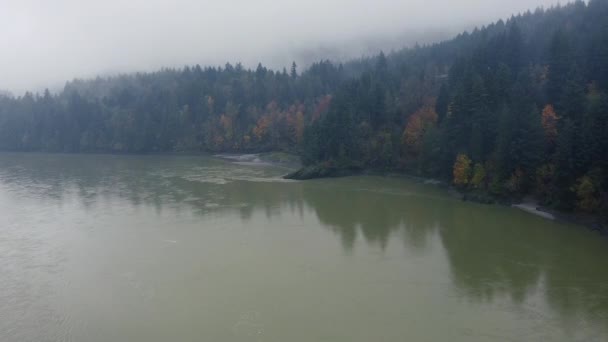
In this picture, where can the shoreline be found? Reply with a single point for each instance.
(292, 163)
(535, 209)
(529, 205)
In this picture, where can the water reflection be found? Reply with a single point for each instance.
(492, 252)
(351, 209)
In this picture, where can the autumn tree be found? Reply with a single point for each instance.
(549, 122)
(479, 176)
(417, 125)
(321, 107)
(587, 192)
(260, 131)
(299, 126)
(462, 170)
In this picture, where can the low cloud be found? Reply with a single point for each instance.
(44, 43)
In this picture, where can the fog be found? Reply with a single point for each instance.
(44, 43)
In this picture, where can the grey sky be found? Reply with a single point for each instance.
(43, 43)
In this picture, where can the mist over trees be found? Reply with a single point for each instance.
(517, 107)
(514, 108)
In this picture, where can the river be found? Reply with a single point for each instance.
(191, 248)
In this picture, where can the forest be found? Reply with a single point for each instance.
(512, 109)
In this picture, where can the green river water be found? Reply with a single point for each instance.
(175, 248)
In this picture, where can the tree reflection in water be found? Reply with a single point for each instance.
(493, 252)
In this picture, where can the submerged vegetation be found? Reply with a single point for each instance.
(516, 108)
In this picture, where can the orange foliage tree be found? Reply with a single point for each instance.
(417, 124)
(322, 107)
(260, 131)
(549, 121)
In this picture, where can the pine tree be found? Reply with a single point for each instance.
(294, 71)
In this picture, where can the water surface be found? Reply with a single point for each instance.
(161, 248)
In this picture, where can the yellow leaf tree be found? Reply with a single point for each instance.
(260, 131)
(479, 176)
(462, 170)
(587, 192)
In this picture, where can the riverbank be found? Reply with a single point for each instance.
(528, 204)
(324, 170)
(535, 209)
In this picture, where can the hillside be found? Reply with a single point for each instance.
(514, 108)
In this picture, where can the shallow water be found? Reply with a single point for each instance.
(161, 248)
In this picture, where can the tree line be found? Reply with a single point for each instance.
(514, 108)
(191, 109)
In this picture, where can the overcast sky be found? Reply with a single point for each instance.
(43, 42)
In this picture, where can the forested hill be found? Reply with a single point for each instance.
(517, 107)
